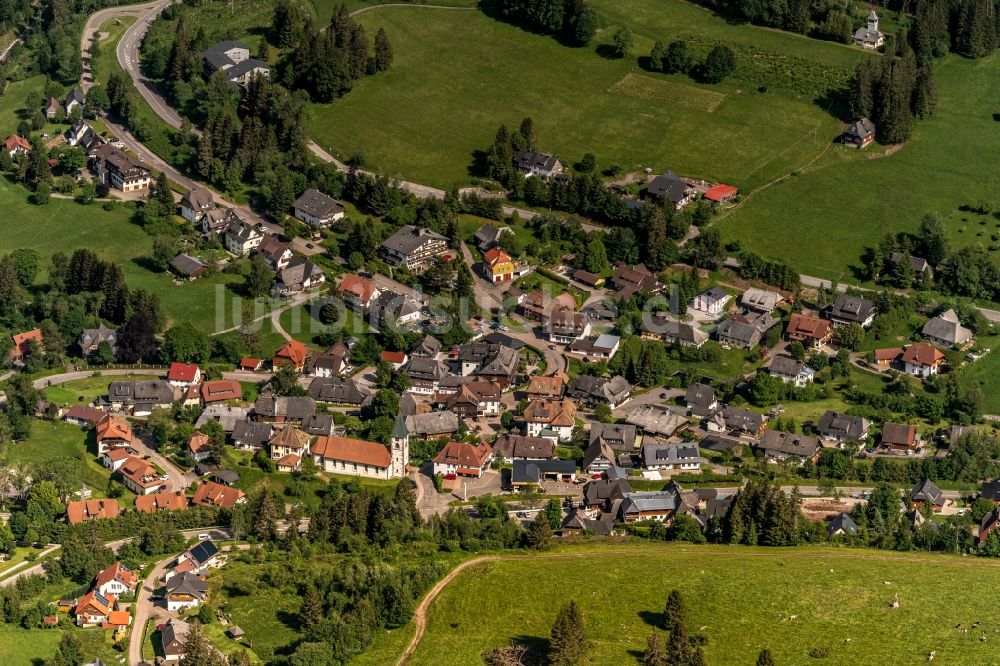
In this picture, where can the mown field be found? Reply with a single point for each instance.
(740, 599)
(426, 117)
(822, 220)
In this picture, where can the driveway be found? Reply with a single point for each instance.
(143, 609)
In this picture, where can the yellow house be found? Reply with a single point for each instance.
(499, 265)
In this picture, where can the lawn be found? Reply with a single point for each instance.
(739, 598)
(27, 646)
(58, 440)
(821, 221)
(427, 116)
(86, 390)
(985, 373)
(301, 323)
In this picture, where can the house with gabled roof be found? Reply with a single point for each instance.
(357, 292)
(738, 421)
(299, 274)
(721, 193)
(810, 331)
(712, 302)
(463, 459)
(778, 445)
(989, 523)
(899, 436)
(790, 371)
(621, 437)
(920, 266)
(241, 237)
(849, 309)
(670, 187)
(25, 342)
(840, 428)
(519, 447)
(91, 338)
(354, 457)
(16, 145)
(842, 525)
(860, 133)
(113, 459)
(162, 501)
(612, 391)
(195, 203)
(927, 493)
(550, 386)
(488, 236)
(339, 391)
(94, 608)
(197, 559)
(112, 432)
(413, 247)
(212, 494)
(119, 170)
(186, 590)
(760, 300)
(551, 417)
(701, 400)
(660, 457)
(317, 209)
(116, 580)
(921, 359)
(95, 509)
(292, 353)
(947, 331)
(183, 374)
(536, 163)
(657, 420)
(627, 281)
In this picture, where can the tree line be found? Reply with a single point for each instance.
(571, 20)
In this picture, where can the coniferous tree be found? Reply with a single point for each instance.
(383, 51)
(765, 658)
(674, 612)
(655, 654)
(568, 640)
(500, 159)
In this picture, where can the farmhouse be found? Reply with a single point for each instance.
(283, 409)
(744, 332)
(946, 330)
(921, 359)
(425, 374)
(551, 386)
(858, 134)
(869, 36)
(671, 187)
(657, 420)
(849, 309)
(810, 331)
(339, 391)
(413, 247)
(140, 477)
(317, 209)
(116, 169)
(619, 436)
(536, 163)
(463, 459)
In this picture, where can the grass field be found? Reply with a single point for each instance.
(737, 598)
(984, 373)
(497, 73)
(85, 390)
(822, 220)
(300, 323)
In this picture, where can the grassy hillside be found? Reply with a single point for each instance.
(425, 118)
(822, 220)
(741, 599)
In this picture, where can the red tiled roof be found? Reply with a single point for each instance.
(119, 572)
(15, 141)
(293, 351)
(464, 454)
(720, 192)
(139, 472)
(219, 390)
(496, 256)
(554, 412)
(166, 501)
(290, 460)
(351, 450)
(113, 427)
(114, 455)
(921, 353)
(393, 357)
(118, 619)
(807, 326)
(22, 340)
(888, 353)
(249, 363)
(210, 493)
(78, 512)
(182, 372)
(358, 287)
(198, 442)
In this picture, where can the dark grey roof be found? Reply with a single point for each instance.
(95, 336)
(671, 329)
(534, 159)
(991, 490)
(203, 551)
(599, 490)
(742, 419)
(699, 398)
(851, 308)
(488, 235)
(785, 366)
(498, 338)
(842, 426)
(843, 522)
(248, 65)
(338, 390)
(578, 520)
(532, 471)
(75, 95)
(789, 444)
(918, 264)
(424, 368)
(187, 583)
(198, 198)
(426, 346)
(600, 389)
(298, 271)
(946, 326)
(519, 446)
(185, 264)
(410, 238)
(291, 407)
(862, 128)
(226, 477)
(720, 443)
(669, 454)
(318, 205)
(926, 491)
(149, 392)
(318, 424)
(668, 186)
(433, 423)
(216, 57)
(173, 637)
(251, 433)
(620, 436)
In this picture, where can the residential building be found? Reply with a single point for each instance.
(283, 409)
(354, 457)
(860, 133)
(183, 375)
(251, 435)
(921, 268)
(298, 275)
(91, 338)
(790, 371)
(86, 510)
(921, 359)
(276, 253)
(669, 330)
(94, 608)
(927, 494)
(842, 525)
(234, 59)
(627, 281)
(218, 220)
(810, 331)
(989, 523)
(849, 309)
(598, 458)
(186, 590)
(220, 390)
(83, 415)
(432, 424)
(884, 358)
(721, 444)
(737, 421)
(198, 559)
(339, 391)
(293, 353)
(841, 428)
(288, 441)
(536, 163)
(463, 459)
(488, 236)
(621, 437)
(550, 386)
(537, 306)
(120, 171)
(394, 311)
(164, 501)
(498, 265)
(518, 447)
(778, 445)
(199, 446)
(491, 361)
(115, 580)
(685, 457)
(113, 459)
(209, 493)
(550, 416)
(566, 325)
(869, 36)
(947, 331)
(744, 331)
(25, 344)
(112, 432)
(334, 362)
(75, 101)
(425, 374)
(225, 415)
(701, 400)
(656, 420)
(474, 399)
(358, 293)
(603, 346)
(532, 472)
(140, 477)
(196, 203)
(761, 300)
(712, 302)
(671, 188)
(413, 247)
(317, 209)
(899, 436)
(16, 145)
(241, 237)
(188, 267)
(52, 108)
(173, 639)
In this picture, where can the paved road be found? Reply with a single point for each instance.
(143, 608)
(19, 570)
(93, 25)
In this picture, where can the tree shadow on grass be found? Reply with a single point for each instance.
(638, 655)
(538, 649)
(652, 618)
(608, 52)
(289, 619)
(147, 263)
(479, 166)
